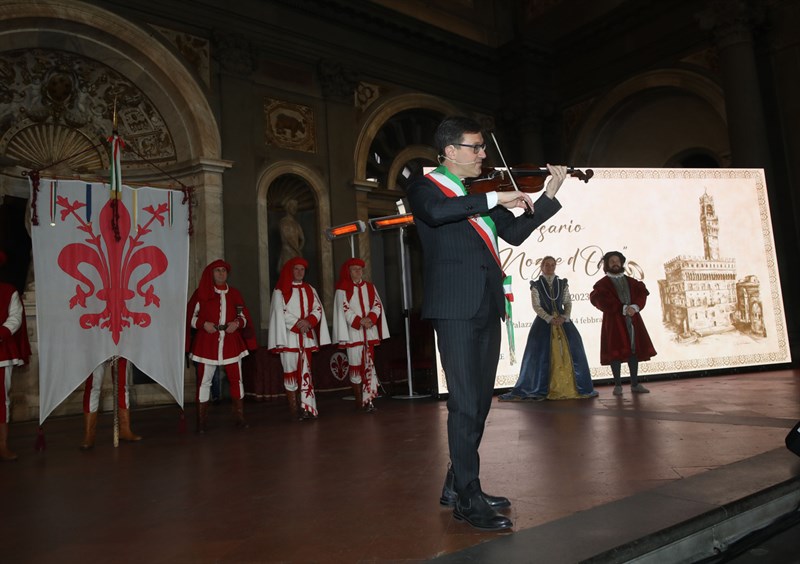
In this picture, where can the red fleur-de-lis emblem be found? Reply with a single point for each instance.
(115, 262)
(339, 365)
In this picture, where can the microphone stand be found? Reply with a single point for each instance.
(406, 308)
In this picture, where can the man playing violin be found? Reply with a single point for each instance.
(464, 297)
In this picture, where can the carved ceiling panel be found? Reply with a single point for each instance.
(57, 106)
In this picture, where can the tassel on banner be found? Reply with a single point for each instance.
(170, 214)
(40, 443)
(115, 218)
(117, 144)
(53, 200)
(188, 192)
(34, 177)
(88, 203)
(135, 209)
(182, 422)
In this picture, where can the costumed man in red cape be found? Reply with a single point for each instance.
(15, 350)
(295, 314)
(359, 325)
(623, 336)
(224, 334)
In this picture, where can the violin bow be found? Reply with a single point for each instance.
(511, 176)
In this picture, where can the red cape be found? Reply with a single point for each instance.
(614, 340)
(17, 346)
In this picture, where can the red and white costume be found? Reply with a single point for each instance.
(292, 302)
(94, 384)
(14, 347)
(219, 306)
(352, 303)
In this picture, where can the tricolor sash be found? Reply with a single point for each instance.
(452, 187)
(484, 225)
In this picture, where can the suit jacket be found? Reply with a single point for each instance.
(457, 263)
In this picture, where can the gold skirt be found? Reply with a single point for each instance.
(562, 372)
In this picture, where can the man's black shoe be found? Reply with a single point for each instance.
(449, 498)
(449, 495)
(476, 511)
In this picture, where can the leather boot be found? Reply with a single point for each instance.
(294, 405)
(359, 396)
(125, 433)
(449, 495)
(5, 453)
(238, 413)
(473, 508)
(202, 416)
(89, 430)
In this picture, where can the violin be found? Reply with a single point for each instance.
(526, 178)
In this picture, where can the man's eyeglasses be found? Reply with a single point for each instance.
(475, 148)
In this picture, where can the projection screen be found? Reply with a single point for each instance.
(701, 241)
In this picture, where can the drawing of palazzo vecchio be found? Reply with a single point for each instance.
(701, 295)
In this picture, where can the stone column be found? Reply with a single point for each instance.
(208, 241)
(206, 244)
(732, 24)
(338, 82)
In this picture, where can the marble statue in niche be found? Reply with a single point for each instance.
(292, 237)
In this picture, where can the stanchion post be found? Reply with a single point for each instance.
(407, 318)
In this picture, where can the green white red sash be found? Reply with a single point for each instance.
(452, 187)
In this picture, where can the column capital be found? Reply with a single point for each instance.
(731, 22)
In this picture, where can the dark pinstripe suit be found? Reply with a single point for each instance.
(464, 298)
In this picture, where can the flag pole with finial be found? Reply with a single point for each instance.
(117, 145)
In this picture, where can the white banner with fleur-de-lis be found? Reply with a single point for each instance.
(111, 280)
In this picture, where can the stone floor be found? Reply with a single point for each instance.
(583, 476)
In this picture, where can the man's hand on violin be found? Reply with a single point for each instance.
(557, 175)
(514, 199)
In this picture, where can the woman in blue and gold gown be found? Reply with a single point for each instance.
(554, 365)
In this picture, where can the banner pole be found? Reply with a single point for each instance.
(115, 388)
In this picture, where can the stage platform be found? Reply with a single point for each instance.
(609, 479)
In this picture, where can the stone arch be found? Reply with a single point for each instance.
(610, 122)
(144, 57)
(317, 184)
(134, 51)
(381, 196)
(378, 114)
(407, 154)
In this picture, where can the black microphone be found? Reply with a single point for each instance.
(459, 162)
